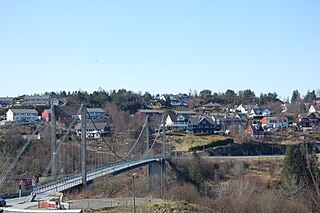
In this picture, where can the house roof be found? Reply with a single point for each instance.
(276, 118)
(197, 120)
(185, 112)
(95, 110)
(174, 116)
(257, 129)
(212, 105)
(24, 111)
(99, 125)
(44, 97)
(6, 99)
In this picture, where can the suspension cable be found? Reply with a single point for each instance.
(155, 139)
(14, 162)
(46, 171)
(144, 126)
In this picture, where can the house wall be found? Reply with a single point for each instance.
(21, 117)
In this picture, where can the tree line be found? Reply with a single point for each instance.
(132, 101)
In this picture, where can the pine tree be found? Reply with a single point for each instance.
(195, 173)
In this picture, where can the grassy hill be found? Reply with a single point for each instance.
(185, 142)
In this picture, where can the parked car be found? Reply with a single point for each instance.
(2, 202)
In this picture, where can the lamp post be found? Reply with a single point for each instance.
(134, 193)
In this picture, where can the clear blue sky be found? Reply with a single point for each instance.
(159, 46)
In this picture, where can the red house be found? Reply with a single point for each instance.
(62, 113)
(255, 131)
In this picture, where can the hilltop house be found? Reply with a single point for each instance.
(5, 101)
(96, 130)
(314, 108)
(42, 100)
(255, 131)
(22, 115)
(94, 113)
(177, 121)
(212, 107)
(310, 119)
(201, 125)
(62, 113)
(275, 122)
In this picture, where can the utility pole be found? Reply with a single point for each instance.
(84, 144)
(53, 144)
(134, 193)
(147, 151)
(163, 161)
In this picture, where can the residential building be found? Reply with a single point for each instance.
(22, 115)
(62, 113)
(41, 100)
(177, 121)
(95, 113)
(310, 119)
(95, 130)
(229, 122)
(255, 131)
(275, 122)
(212, 107)
(246, 109)
(201, 125)
(6, 101)
(314, 108)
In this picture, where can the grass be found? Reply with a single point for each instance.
(161, 207)
(183, 143)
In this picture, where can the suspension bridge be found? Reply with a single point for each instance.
(93, 163)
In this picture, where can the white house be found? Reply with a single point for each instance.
(96, 130)
(176, 121)
(314, 108)
(22, 115)
(275, 122)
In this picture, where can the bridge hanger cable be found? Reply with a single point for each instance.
(46, 171)
(94, 125)
(15, 161)
(135, 144)
(118, 156)
(155, 139)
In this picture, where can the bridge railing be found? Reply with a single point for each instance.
(109, 169)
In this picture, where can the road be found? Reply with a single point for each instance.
(23, 203)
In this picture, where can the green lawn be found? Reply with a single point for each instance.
(183, 143)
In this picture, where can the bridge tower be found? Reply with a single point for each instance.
(53, 144)
(148, 155)
(84, 145)
(163, 162)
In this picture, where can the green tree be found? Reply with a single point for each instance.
(302, 166)
(310, 96)
(296, 97)
(206, 94)
(230, 96)
(195, 171)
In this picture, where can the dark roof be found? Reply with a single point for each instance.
(24, 111)
(95, 110)
(99, 125)
(174, 116)
(197, 120)
(256, 128)
(212, 105)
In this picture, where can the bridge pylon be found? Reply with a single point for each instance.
(53, 143)
(84, 145)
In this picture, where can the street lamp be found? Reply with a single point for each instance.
(134, 193)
